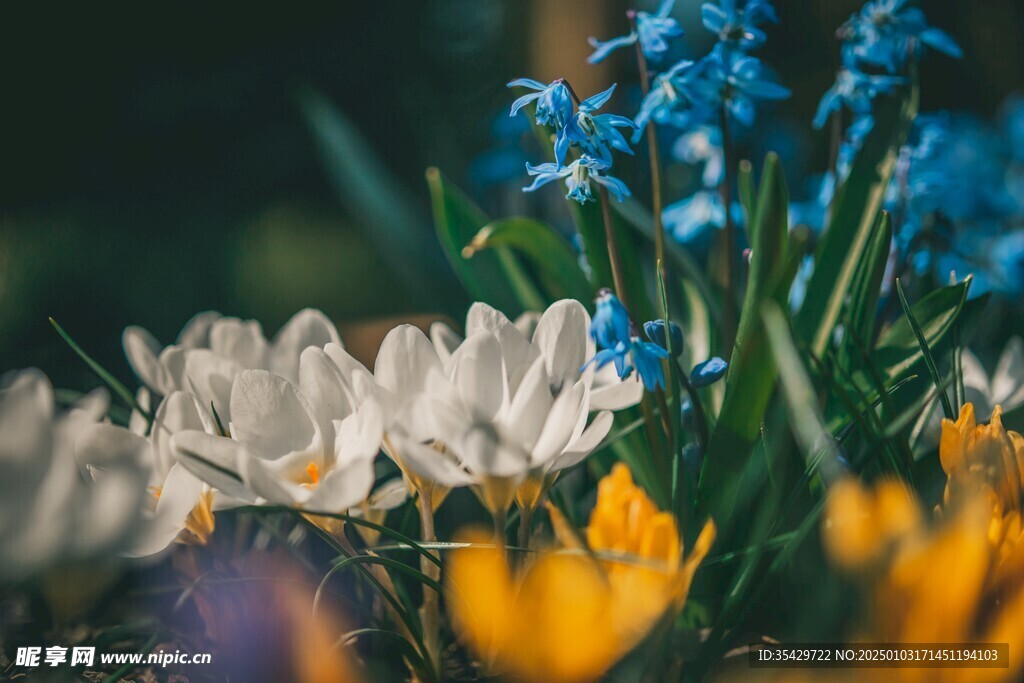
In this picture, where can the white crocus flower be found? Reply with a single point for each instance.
(496, 409)
(310, 446)
(212, 350)
(562, 320)
(180, 506)
(50, 510)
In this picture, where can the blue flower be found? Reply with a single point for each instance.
(708, 372)
(703, 145)
(671, 100)
(577, 176)
(618, 355)
(885, 32)
(1013, 121)
(655, 331)
(647, 358)
(691, 218)
(610, 325)
(738, 25)
(813, 212)
(855, 90)
(596, 134)
(652, 30)
(734, 80)
(554, 103)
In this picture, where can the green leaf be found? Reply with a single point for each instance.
(926, 352)
(854, 215)
(495, 277)
(552, 258)
(752, 372)
(898, 348)
(747, 194)
(862, 309)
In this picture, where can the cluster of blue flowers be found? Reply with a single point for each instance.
(619, 343)
(578, 127)
(959, 201)
(878, 42)
(698, 97)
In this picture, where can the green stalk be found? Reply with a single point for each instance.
(729, 237)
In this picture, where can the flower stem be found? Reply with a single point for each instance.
(614, 257)
(430, 609)
(729, 238)
(653, 152)
(525, 526)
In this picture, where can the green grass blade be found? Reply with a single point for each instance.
(111, 381)
(926, 352)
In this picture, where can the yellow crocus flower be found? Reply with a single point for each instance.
(570, 615)
(957, 579)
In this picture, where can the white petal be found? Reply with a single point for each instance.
(359, 435)
(527, 324)
(270, 418)
(516, 351)
(621, 394)
(1008, 380)
(268, 484)
(26, 411)
(196, 332)
(308, 327)
(136, 422)
(343, 487)
(561, 338)
(142, 350)
(530, 406)
(445, 340)
(350, 368)
(404, 359)
(484, 452)
(429, 464)
(211, 378)
(179, 494)
(172, 358)
(177, 413)
(214, 459)
(974, 374)
(106, 445)
(389, 495)
(322, 384)
(591, 438)
(478, 375)
(240, 340)
(560, 424)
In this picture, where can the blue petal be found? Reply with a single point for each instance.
(603, 49)
(713, 17)
(614, 185)
(830, 101)
(941, 41)
(665, 8)
(522, 102)
(526, 83)
(597, 101)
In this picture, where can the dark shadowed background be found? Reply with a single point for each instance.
(170, 158)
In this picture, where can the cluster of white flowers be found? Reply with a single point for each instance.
(298, 422)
